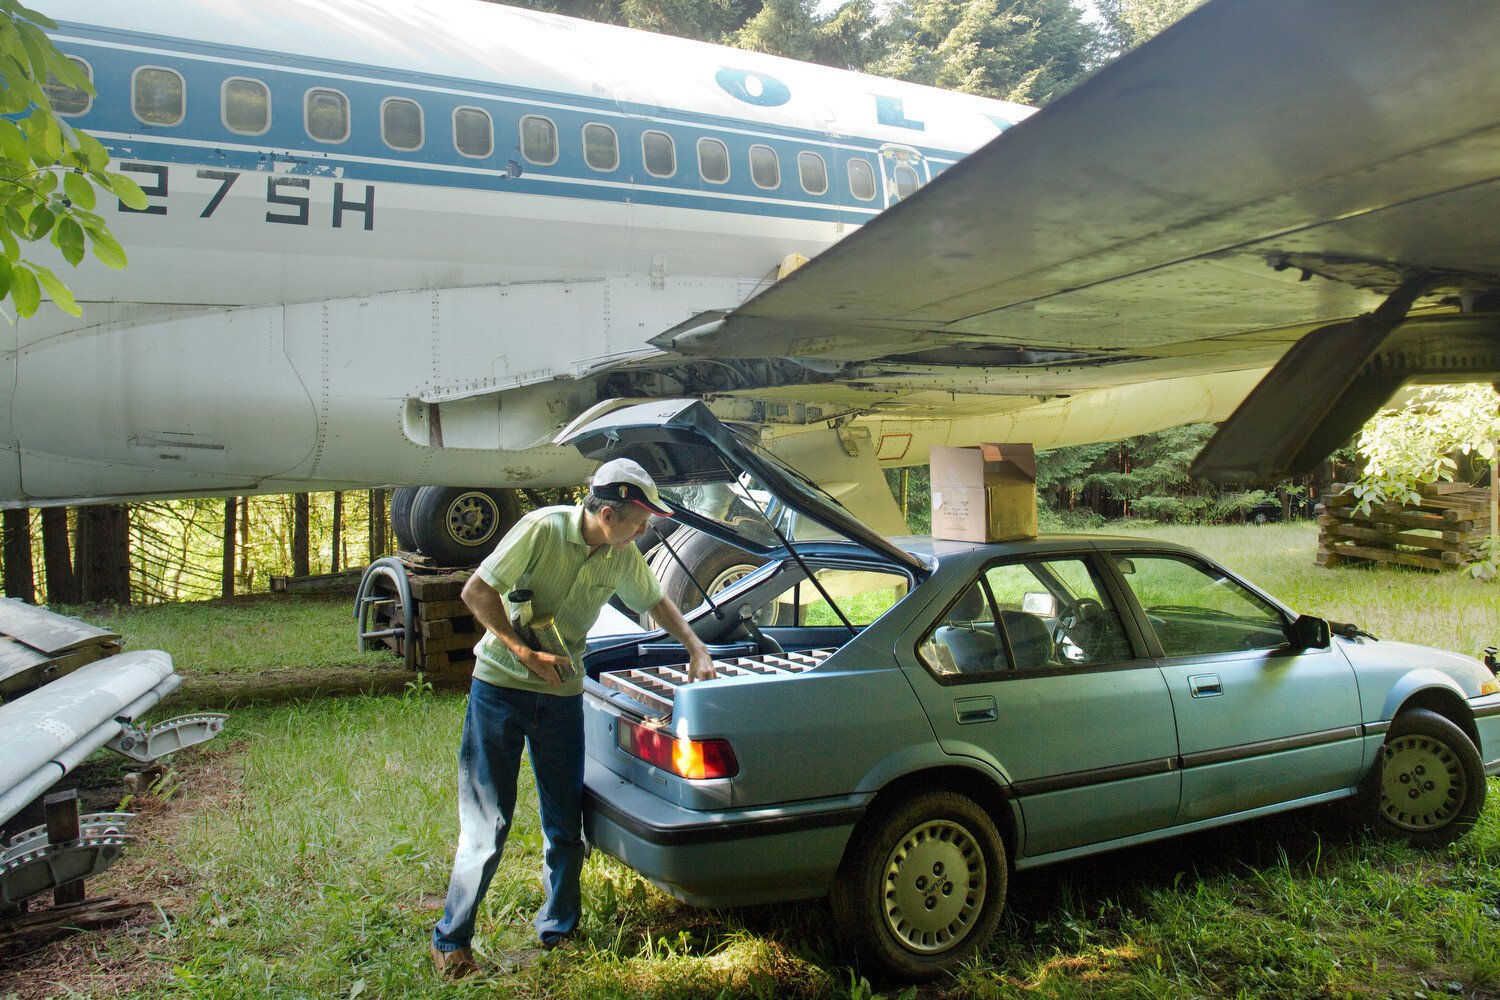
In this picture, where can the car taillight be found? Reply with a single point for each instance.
(678, 754)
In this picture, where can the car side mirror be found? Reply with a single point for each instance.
(1126, 566)
(1307, 632)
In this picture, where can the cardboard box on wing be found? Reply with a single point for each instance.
(984, 494)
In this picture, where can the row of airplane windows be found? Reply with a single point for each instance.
(158, 96)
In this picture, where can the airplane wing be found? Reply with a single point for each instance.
(1257, 172)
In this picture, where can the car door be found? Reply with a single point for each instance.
(1081, 724)
(1258, 723)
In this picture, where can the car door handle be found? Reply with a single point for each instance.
(972, 710)
(1205, 685)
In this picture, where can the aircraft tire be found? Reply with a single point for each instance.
(715, 564)
(460, 525)
(402, 498)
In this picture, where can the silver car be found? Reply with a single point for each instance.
(899, 724)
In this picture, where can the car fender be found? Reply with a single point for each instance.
(909, 762)
(1417, 682)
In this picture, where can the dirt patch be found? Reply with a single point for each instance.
(121, 959)
(223, 691)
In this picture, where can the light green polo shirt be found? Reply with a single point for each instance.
(545, 553)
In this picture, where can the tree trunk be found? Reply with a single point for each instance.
(338, 532)
(101, 546)
(246, 583)
(231, 526)
(57, 557)
(300, 562)
(379, 515)
(20, 577)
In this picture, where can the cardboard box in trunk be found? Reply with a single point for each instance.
(984, 494)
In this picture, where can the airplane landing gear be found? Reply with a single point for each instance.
(453, 525)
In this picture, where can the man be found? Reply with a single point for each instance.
(572, 559)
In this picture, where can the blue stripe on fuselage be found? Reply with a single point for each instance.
(203, 139)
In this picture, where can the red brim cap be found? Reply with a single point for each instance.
(647, 505)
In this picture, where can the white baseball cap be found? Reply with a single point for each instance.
(623, 479)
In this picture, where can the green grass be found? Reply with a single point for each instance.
(317, 873)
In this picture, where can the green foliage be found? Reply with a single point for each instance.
(49, 172)
(1029, 51)
(1128, 23)
(1145, 476)
(1414, 445)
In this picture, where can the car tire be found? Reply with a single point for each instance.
(459, 526)
(716, 564)
(402, 498)
(1428, 784)
(899, 911)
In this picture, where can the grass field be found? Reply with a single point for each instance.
(307, 854)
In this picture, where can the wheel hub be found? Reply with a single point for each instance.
(935, 884)
(1421, 786)
(472, 518)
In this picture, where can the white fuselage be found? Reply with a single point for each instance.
(347, 227)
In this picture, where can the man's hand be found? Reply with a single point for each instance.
(701, 665)
(545, 666)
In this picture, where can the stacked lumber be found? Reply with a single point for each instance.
(443, 629)
(38, 646)
(1440, 532)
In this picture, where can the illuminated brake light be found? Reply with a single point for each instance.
(682, 756)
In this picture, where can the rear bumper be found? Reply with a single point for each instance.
(732, 857)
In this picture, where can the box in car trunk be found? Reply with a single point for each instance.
(654, 688)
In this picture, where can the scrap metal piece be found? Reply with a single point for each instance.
(92, 825)
(50, 866)
(167, 737)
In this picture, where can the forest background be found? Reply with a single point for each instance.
(1030, 51)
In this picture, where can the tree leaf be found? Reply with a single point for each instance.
(12, 141)
(93, 151)
(40, 223)
(109, 251)
(11, 246)
(80, 191)
(69, 239)
(5, 279)
(25, 292)
(62, 296)
(128, 191)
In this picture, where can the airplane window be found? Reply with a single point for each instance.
(327, 115)
(765, 169)
(473, 132)
(814, 173)
(246, 105)
(861, 179)
(159, 95)
(713, 161)
(539, 140)
(69, 101)
(660, 154)
(906, 181)
(601, 147)
(401, 123)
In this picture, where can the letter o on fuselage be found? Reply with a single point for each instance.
(753, 88)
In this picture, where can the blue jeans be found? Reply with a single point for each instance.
(499, 720)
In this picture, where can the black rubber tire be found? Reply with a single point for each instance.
(402, 498)
(1428, 763)
(459, 525)
(877, 876)
(711, 561)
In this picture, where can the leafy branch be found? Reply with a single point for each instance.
(50, 173)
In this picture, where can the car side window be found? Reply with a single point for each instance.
(965, 641)
(1195, 609)
(1056, 613)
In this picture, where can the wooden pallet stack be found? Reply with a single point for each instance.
(1440, 532)
(444, 630)
(38, 646)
